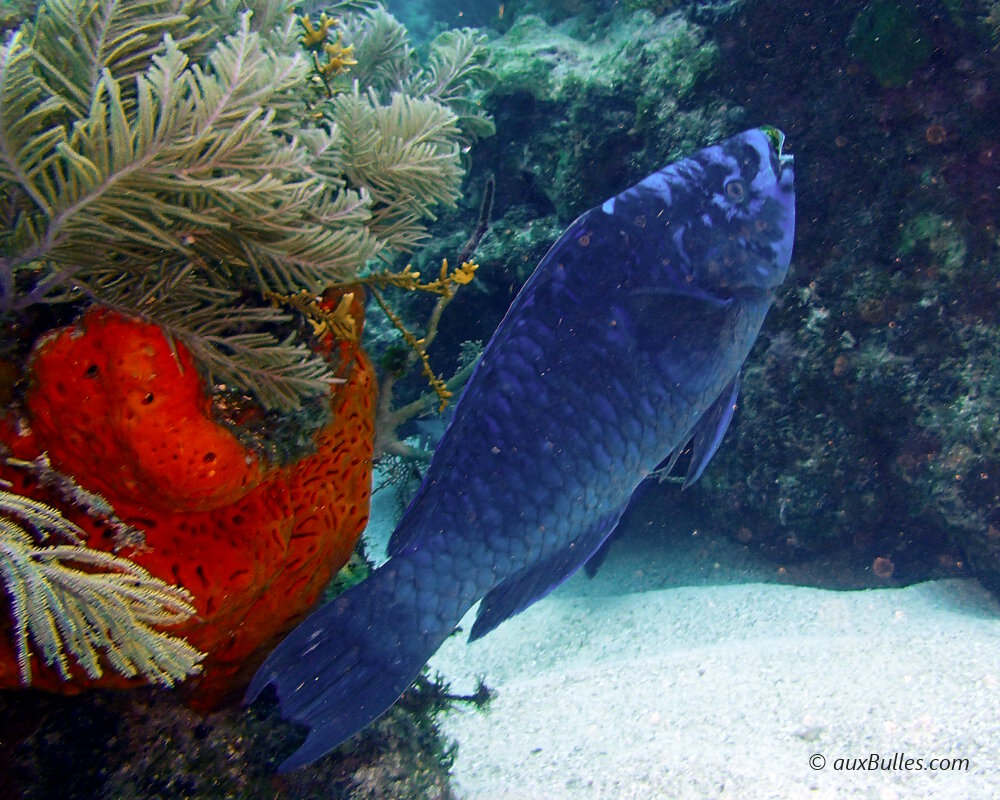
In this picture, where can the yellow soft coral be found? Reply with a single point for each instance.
(338, 58)
(409, 279)
(315, 37)
(338, 321)
(444, 286)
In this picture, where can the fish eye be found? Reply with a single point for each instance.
(736, 190)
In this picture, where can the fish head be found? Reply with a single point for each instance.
(730, 211)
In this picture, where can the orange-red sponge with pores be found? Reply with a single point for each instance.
(122, 410)
(113, 401)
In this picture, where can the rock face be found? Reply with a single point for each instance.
(583, 110)
(869, 425)
(869, 429)
(600, 112)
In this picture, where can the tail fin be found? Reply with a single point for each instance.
(345, 665)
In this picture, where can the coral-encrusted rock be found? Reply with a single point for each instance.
(123, 412)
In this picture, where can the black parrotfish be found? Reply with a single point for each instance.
(624, 345)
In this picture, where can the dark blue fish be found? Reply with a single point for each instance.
(624, 345)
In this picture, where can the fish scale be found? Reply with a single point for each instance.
(625, 343)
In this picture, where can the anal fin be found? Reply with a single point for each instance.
(523, 588)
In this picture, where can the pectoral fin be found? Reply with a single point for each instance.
(707, 433)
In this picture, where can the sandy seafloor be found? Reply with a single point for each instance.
(680, 671)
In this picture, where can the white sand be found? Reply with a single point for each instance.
(651, 681)
(727, 691)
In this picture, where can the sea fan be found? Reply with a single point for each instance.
(171, 160)
(68, 599)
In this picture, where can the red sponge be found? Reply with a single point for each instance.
(123, 412)
(115, 402)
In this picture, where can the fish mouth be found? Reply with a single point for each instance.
(777, 139)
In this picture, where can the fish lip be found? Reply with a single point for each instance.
(777, 138)
(785, 160)
(786, 165)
